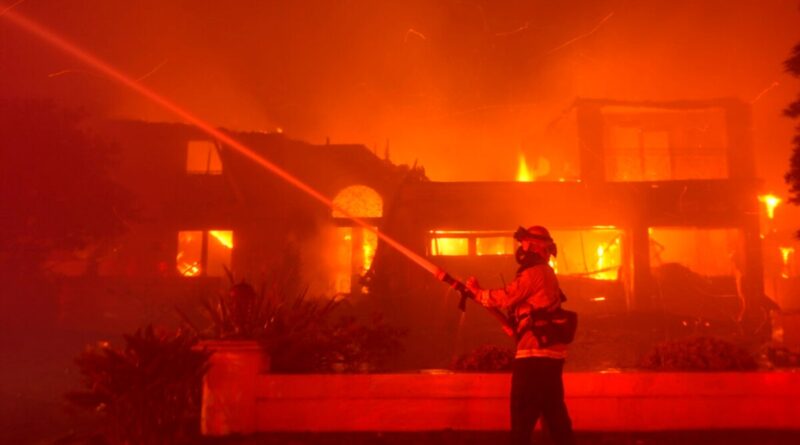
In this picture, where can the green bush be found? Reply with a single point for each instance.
(148, 392)
(698, 354)
(486, 358)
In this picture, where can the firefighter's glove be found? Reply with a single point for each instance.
(473, 286)
(481, 295)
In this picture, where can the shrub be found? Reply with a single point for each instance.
(782, 357)
(698, 354)
(362, 347)
(300, 334)
(486, 358)
(148, 391)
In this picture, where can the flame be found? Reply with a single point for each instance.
(607, 258)
(189, 270)
(786, 254)
(770, 202)
(554, 264)
(523, 173)
(225, 237)
(368, 247)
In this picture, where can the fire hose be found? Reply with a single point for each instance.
(461, 288)
(548, 327)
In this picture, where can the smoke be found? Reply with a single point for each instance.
(459, 86)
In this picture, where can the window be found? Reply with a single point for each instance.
(359, 201)
(449, 246)
(594, 252)
(707, 252)
(204, 253)
(470, 242)
(663, 145)
(638, 155)
(494, 245)
(354, 245)
(202, 158)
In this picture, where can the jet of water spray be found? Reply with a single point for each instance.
(115, 74)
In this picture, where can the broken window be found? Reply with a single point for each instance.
(202, 158)
(204, 253)
(706, 252)
(354, 245)
(663, 145)
(594, 253)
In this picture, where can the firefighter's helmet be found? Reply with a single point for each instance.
(542, 242)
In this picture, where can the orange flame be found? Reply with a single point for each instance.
(523, 173)
(770, 202)
(786, 254)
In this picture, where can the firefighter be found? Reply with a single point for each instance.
(537, 387)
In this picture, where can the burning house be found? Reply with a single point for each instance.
(663, 216)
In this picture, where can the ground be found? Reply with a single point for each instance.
(476, 438)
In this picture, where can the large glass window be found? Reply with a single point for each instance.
(470, 242)
(593, 252)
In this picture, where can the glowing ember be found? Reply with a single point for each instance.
(523, 173)
(189, 270)
(770, 202)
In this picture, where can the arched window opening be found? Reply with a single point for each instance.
(354, 245)
(358, 200)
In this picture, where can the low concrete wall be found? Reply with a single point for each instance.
(238, 397)
(597, 401)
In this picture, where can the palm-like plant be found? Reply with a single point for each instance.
(148, 391)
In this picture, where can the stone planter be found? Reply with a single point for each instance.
(229, 403)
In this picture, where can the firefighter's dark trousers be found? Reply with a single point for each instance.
(538, 390)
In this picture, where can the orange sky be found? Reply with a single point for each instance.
(459, 86)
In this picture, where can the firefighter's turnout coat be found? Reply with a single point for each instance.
(534, 288)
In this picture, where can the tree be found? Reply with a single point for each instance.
(56, 192)
(792, 65)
